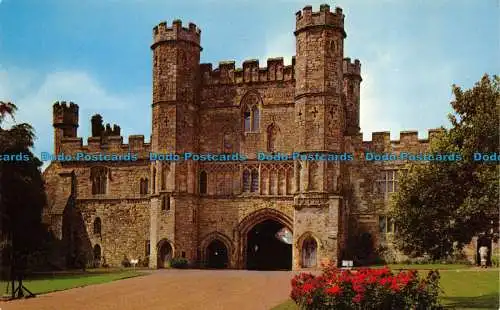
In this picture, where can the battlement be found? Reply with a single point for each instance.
(306, 18)
(227, 73)
(64, 113)
(163, 33)
(106, 145)
(351, 68)
(408, 140)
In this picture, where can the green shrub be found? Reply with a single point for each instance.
(179, 263)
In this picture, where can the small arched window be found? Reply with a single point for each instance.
(97, 226)
(251, 112)
(203, 182)
(246, 180)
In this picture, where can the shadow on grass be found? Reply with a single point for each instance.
(74, 274)
(489, 301)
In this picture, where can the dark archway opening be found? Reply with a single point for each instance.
(265, 250)
(164, 254)
(483, 241)
(217, 255)
(97, 256)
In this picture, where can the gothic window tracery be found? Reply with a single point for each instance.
(255, 181)
(251, 112)
(99, 177)
(246, 180)
(251, 180)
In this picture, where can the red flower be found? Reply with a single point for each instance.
(384, 281)
(307, 288)
(394, 285)
(334, 290)
(357, 298)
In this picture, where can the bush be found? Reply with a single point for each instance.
(366, 289)
(179, 263)
(144, 262)
(125, 262)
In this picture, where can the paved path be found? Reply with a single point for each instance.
(171, 290)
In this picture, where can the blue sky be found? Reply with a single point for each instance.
(96, 53)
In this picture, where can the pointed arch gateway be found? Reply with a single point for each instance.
(259, 244)
(165, 253)
(217, 251)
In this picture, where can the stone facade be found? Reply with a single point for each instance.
(154, 210)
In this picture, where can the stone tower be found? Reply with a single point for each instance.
(320, 114)
(352, 80)
(65, 122)
(176, 59)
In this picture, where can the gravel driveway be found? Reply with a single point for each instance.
(171, 289)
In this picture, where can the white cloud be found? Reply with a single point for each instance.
(34, 95)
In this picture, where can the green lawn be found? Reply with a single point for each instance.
(45, 283)
(464, 288)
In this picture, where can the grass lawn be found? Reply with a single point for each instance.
(464, 288)
(58, 281)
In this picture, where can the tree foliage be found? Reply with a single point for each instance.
(440, 206)
(22, 194)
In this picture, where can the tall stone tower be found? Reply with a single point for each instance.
(352, 81)
(65, 122)
(176, 59)
(320, 115)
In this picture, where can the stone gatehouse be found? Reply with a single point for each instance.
(228, 213)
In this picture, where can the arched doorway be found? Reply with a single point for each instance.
(483, 241)
(164, 253)
(97, 255)
(217, 255)
(309, 252)
(265, 249)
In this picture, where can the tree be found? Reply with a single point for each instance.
(22, 195)
(440, 206)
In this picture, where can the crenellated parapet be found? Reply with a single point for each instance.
(307, 19)
(65, 113)
(164, 33)
(227, 73)
(352, 68)
(408, 141)
(110, 145)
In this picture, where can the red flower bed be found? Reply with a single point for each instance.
(366, 289)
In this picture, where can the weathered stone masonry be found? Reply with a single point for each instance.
(157, 210)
